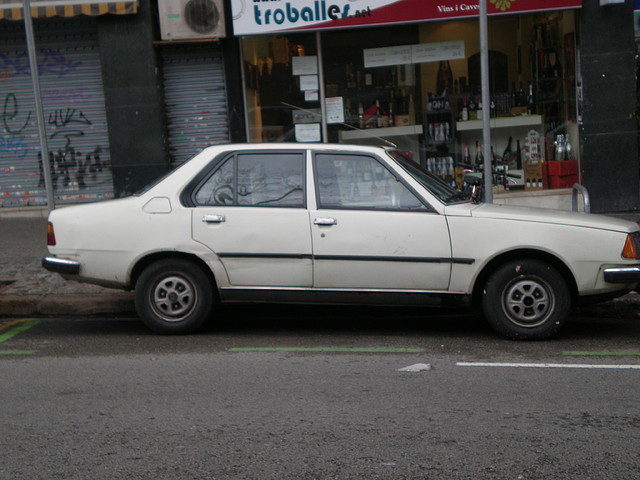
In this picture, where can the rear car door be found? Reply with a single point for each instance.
(251, 211)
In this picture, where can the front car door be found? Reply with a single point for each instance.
(371, 231)
(251, 211)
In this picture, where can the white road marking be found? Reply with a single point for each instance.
(549, 365)
(418, 367)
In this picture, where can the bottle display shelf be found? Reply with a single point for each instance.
(501, 122)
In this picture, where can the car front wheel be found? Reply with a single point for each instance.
(526, 299)
(174, 296)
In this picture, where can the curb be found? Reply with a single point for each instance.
(122, 303)
(46, 305)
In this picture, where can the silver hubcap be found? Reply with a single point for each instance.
(528, 302)
(174, 298)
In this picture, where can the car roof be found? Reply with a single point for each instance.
(295, 146)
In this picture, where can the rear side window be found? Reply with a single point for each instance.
(270, 179)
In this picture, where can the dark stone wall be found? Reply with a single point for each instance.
(233, 78)
(133, 98)
(609, 133)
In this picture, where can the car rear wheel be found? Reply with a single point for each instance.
(174, 296)
(526, 299)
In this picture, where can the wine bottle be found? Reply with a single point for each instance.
(531, 107)
(522, 99)
(391, 119)
(479, 112)
(518, 155)
(507, 150)
(378, 114)
(444, 79)
(560, 148)
(467, 157)
(494, 158)
(401, 103)
(360, 115)
(412, 111)
(465, 110)
(479, 156)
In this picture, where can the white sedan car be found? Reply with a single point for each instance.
(318, 223)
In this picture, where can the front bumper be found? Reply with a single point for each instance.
(622, 274)
(60, 265)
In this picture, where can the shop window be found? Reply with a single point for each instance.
(279, 98)
(430, 105)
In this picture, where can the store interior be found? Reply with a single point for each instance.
(418, 87)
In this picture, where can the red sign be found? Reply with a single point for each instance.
(268, 16)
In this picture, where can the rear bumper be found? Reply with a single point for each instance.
(60, 265)
(622, 274)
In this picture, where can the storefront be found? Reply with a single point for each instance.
(72, 93)
(195, 97)
(409, 74)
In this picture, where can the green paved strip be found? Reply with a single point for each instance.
(327, 349)
(19, 329)
(601, 354)
(17, 352)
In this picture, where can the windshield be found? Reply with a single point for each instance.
(435, 185)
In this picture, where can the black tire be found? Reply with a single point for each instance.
(174, 296)
(526, 299)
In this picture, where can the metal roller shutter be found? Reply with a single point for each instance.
(76, 125)
(195, 100)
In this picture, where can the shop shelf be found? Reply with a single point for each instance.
(502, 122)
(381, 132)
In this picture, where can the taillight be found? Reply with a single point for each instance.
(631, 246)
(51, 235)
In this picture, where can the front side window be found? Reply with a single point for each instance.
(435, 185)
(273, 179)
(360, 182)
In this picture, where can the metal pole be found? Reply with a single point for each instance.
(486, 103)
(35, 80)
(323, 106)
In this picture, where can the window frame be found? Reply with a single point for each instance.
(188, 197)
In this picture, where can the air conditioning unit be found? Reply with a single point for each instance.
(191, 19)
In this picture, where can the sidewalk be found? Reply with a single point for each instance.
(27, 289)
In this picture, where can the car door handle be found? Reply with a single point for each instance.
(325, 221)
(213, 218)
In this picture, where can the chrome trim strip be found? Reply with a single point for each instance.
(622, 274)
(372, 258)
(61, 265)
(266, 255)
(344, 296)
(350, 258)
(342, 290)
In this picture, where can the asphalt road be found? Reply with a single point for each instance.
(283, 393)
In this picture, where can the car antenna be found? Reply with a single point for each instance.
(353, 127)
